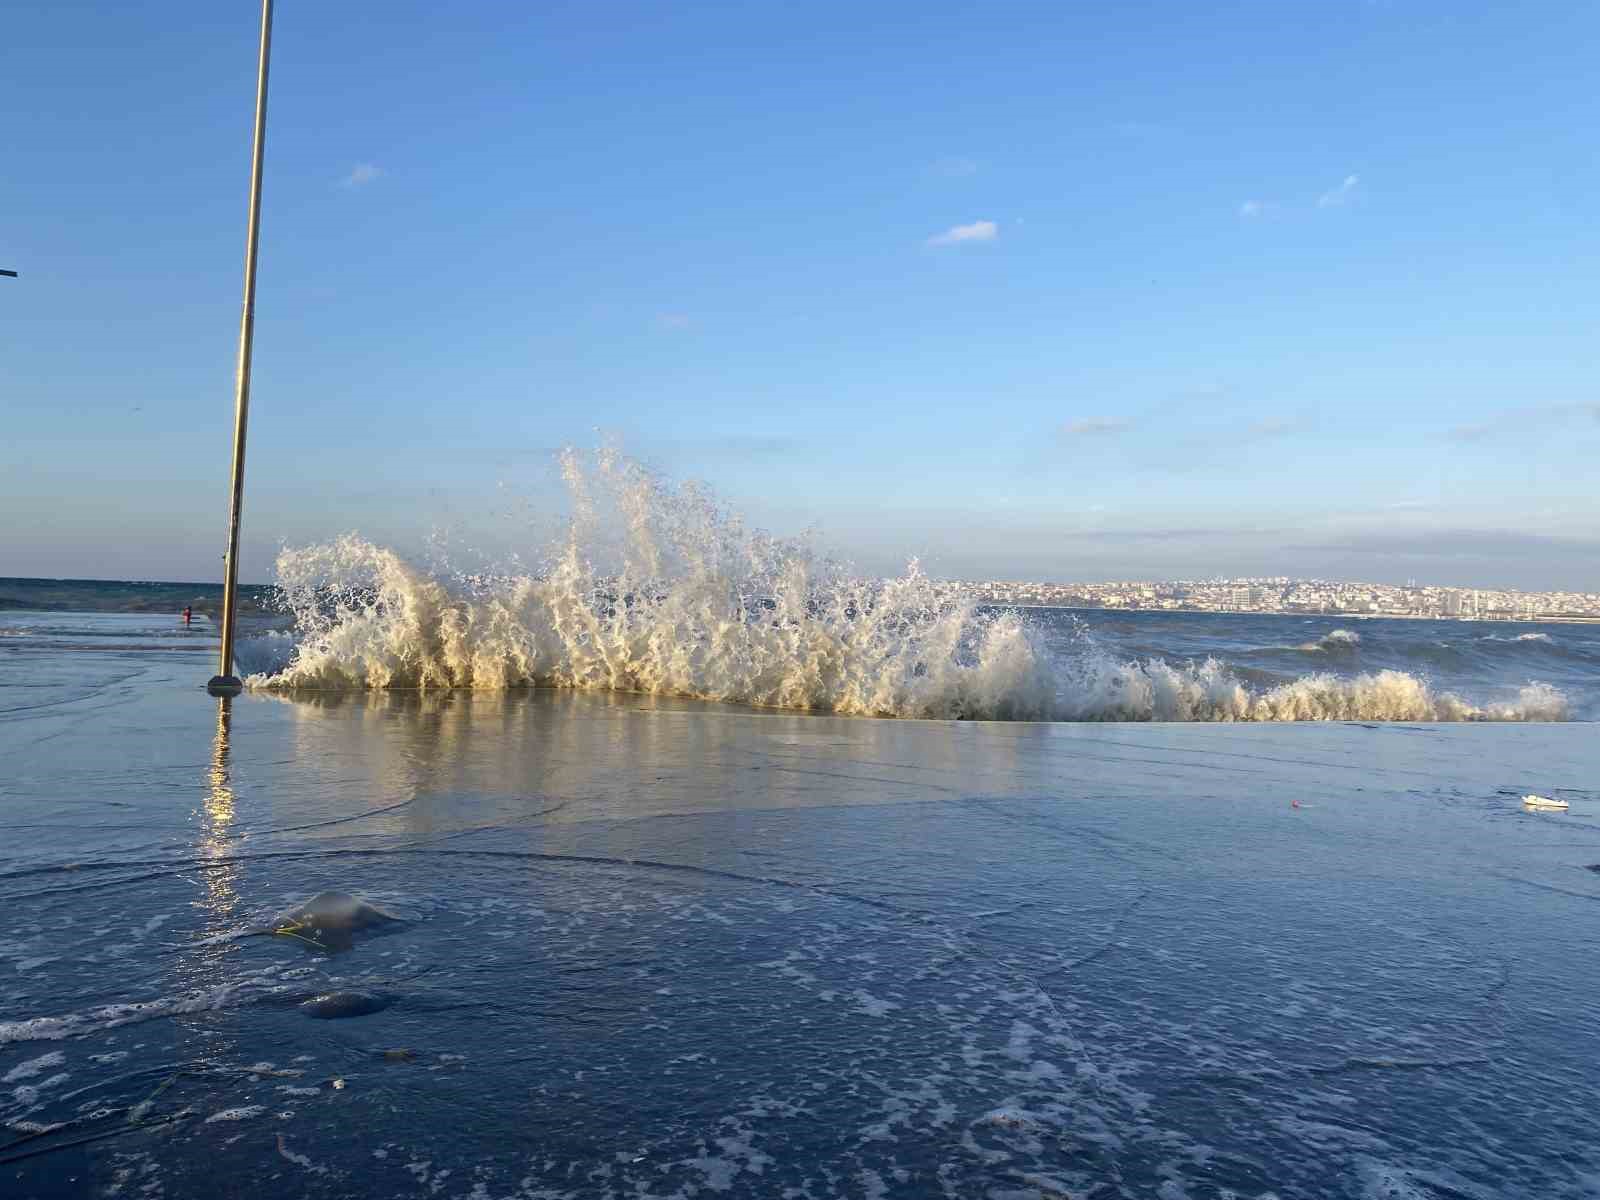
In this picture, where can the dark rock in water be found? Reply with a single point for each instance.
(332, 1005)
(330, 921)
(1593, 867)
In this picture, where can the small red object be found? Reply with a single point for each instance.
(1294, 804)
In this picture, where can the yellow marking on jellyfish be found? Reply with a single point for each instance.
(291, 930)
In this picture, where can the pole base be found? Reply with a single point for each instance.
(224, 685)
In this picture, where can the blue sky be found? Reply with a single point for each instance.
(1028, 290)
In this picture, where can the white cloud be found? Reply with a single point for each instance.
(361, 173)
(1250, 208)
(978, 231)
(1336, 197)
(1527, 419)
(1089, 426)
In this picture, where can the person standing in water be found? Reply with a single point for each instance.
(188, 614)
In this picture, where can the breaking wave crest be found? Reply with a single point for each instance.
(1340, 640)
(690, 604)
(656, 588)
(1099, 688)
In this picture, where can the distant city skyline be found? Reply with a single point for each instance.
(1303, 597)
(1140, 290)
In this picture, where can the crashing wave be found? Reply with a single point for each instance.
(657, 589)
(697, 607)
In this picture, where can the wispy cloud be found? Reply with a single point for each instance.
(1334, 197)
(1207, 445)
(978, 231)
(1250, 208)
(1269, 427)
(953, 168)
(360, 175)
(1092, 426)
(674, 320)
(1459, 543)
(1526, 419)
(1120, 534)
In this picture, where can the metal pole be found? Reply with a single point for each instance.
(225, 681)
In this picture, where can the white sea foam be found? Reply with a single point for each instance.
(34, 1066)
(657, 589)
(243, 1112)
(253, 987)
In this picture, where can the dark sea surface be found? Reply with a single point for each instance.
(661, 946)
(124, 596)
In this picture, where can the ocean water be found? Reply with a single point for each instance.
(1075, 665)
(648, 587)
(668, 913)
(124, 596)
(647, 946)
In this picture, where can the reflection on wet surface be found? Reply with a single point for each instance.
(657, 948)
